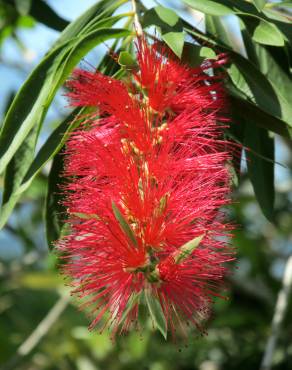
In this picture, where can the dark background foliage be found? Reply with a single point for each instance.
(257, 36)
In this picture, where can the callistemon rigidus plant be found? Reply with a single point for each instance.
(146, 182)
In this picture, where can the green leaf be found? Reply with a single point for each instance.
(14, 131)
(264, 58)
(261, 171)
(124, 224)
(170, 26)
(268, 34)
(187, 249)
(252, 82)
(167, 16)
(14, 174)
(126, 60)
(46, 15)
(23, 113)
(51, 147)
(132, 301)
(33, 99)
(156, 313)
(215, 26)
(98, 11)
(209, 7)
(194, 55)
(263, 92)
(175, 40)
(260, 4)
(55, 212)
(281, 4)
(246, 110)
(23, 6)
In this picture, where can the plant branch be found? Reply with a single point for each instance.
(279, 314)
(137, 23)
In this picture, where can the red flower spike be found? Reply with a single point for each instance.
(145, 187)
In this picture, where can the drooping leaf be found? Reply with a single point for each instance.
(52, 146)
(156, 313)
(215, 26)
(14, 174)
(43, 13)
(262, 91)
(64, 64)
(33, 99)
(246, 110)
(264, 59)
(261, 171)
(55, 212)
(98, 11)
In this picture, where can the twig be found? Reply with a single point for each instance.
(279, 314)
(39, 332)
(137, 23)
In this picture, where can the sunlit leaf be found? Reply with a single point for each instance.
(268, 34)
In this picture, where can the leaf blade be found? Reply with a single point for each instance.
(156, 312)
(124, 224)
(260, 171)
(267, 33)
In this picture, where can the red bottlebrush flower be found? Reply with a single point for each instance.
(146, 182)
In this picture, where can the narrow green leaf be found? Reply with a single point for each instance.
(132, 301)
(245, 109)
(209, 7)
(156, 313)
(187, 249)
(32, 101)
(215, 26)
(14, 174)
(52, 145)
(281, 4)
(65, 62)
(124, 224)
(264, 93)
(261, 172)
(267, 33)
(43, 13)
(272, 70)
(55, 212)
(254, 83)
(98, 11)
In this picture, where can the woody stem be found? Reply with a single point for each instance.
(137, 23)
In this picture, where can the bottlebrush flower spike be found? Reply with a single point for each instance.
(146, 182)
